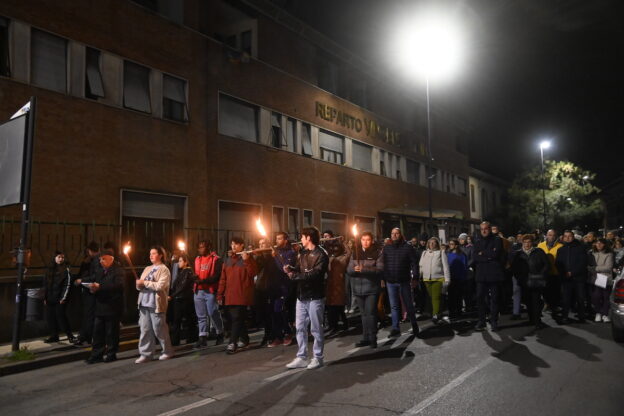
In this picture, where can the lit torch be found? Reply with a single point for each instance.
(354, 230)
(260, 228)
(126, 251)
(182, 246)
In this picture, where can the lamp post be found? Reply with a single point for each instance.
(545, 144)
(430, 48)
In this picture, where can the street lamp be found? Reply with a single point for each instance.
(429, 48)
(544, 144)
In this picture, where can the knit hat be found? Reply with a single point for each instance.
(107, 252)
(463, 236)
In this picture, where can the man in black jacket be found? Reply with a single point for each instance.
(108, 289)
(400, 275)
(309, 275)
(571, 264)
(87, 275)
(489, 259)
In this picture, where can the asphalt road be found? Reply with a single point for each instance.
(451, 370)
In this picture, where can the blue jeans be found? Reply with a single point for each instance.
(517, 296)
(396, 291)
(206, 306)
(310, 312)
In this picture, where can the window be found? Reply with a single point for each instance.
(307, 218)
(94, 86)
(238, 119)
(484, 203)
(365, 224)
(337, 223)
(306, 140)
(332, 147)
(276, 131)
(48, 64)
(362, 156)
(434, 178)
(413, 172)
(5, 64)
(291, 135)
(174, 98)
(461, 186)
(277, 220)
(236, 219)
(382, 163)
(472, 198)
(136, 87)
(293, 223)
(246, 42)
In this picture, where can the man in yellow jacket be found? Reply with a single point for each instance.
(552, 293)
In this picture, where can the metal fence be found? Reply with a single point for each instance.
(45, 237)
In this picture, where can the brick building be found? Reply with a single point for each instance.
(163, 119)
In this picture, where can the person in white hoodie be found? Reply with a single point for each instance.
(434, 271)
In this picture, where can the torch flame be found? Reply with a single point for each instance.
(127, 248)
(181, 245)
(354, 230)
(260, 228)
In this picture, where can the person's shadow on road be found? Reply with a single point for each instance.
(512, 352)
(307, 388)
(561, 339)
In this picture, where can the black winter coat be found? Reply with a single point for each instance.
(533, 267)
(489, 259)
(367, 281)
(182, 288)
(109, 298)
(400, 262)
(572, 258)
(57, 282)
(309, 273)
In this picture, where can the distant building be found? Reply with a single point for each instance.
(487, 193)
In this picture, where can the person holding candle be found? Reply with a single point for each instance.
(153, 287)
(365, 270)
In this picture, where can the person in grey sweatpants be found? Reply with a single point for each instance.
(154, 289)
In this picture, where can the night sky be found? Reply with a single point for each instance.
(534, 68)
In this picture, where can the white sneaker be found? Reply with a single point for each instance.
(142, 359)
(605, 318)
(598, 318)
(165, 357)
(315, 363)
(297, 363)
(446, 319)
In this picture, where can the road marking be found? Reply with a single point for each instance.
(446, 389)
(195, 405)
(284, 374)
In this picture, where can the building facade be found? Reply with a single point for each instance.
(166, 120)
(487, 194)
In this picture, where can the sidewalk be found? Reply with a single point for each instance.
(58, 353)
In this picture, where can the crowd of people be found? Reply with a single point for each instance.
(291, 290)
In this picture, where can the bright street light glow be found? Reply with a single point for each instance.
(585, 177)
(545, 144)
(430, 47)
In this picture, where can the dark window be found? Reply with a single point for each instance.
(413, 172)
(238, 118)
(472, 198)
(136, 87)
(382, 168)
(246, 42)
(307, 218)
(332, 147)
(306, 140)
(48, 63)
(231, 41)
(5, 65)
(94, 87)
(277, 140)
(174, 98)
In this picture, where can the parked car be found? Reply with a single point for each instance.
(617, 308)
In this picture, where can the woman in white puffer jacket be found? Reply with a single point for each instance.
(434, 271)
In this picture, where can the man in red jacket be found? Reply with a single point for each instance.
(236, 292)
(208, 271)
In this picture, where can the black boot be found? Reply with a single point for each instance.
(201, 342)
(219, 339)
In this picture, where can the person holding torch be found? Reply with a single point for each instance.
(365, 271)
